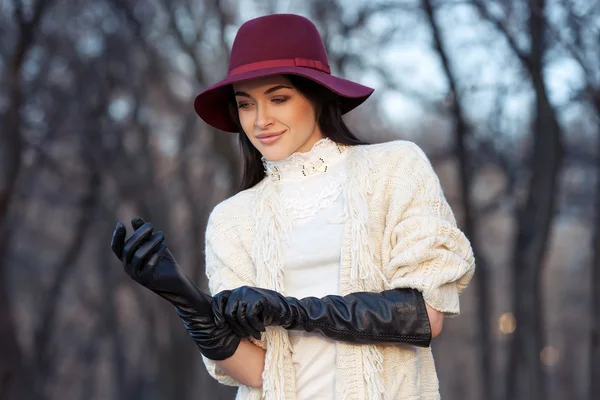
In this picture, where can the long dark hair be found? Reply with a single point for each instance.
(329, 118)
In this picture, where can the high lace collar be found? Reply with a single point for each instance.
(317, 160)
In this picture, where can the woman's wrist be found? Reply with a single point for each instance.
(246, 365)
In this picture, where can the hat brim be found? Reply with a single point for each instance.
(212, 104)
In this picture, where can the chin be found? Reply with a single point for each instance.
(275, 153)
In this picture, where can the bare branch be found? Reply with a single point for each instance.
(461, 132)
(11, 361)
(500, 25)
(45, 329)
(186, 47)
(18, 10)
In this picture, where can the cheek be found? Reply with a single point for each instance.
(302, 117)
(308, 117)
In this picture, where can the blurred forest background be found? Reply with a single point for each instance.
(97, 125)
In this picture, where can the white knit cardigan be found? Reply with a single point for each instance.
(399, 233)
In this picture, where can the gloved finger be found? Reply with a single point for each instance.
(118, 240)
(218, 307)
(243, 321)
(137, 239)
(143, 254)
(162, 247)
(254, 318)
(231, 317)
(137, 222)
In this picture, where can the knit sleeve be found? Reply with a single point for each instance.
(428, 251)
(228, 266)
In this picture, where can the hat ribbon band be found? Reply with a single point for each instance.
(291, 62)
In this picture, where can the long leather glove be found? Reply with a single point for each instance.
(147, 261)
(392, 316)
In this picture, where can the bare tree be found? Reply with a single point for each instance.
(13, 369)
(50, 302)
(461, 135)
(577, 36)
(526, 378)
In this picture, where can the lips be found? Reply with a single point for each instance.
(270, 137)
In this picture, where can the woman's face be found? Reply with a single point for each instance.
(277, 119)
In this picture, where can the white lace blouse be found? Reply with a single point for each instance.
(310, 188)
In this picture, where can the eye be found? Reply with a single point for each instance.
(244, 106)
(280, 100)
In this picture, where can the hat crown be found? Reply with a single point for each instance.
(277, 37)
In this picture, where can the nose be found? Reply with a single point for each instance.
(263, 117)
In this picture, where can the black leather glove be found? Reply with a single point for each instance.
(148, 262)
(392, 316)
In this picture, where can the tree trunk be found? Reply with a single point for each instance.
(527, 378)
(526, 374)
(461, 130)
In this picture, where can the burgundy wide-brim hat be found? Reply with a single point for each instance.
(273, 45)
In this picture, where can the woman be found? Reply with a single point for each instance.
(334, 267)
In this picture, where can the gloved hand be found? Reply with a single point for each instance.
(392, 316)
(147, 261)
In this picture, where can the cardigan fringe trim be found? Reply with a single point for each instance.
(364, 275)
(272, 229)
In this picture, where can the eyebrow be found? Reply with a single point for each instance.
(268, 91)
